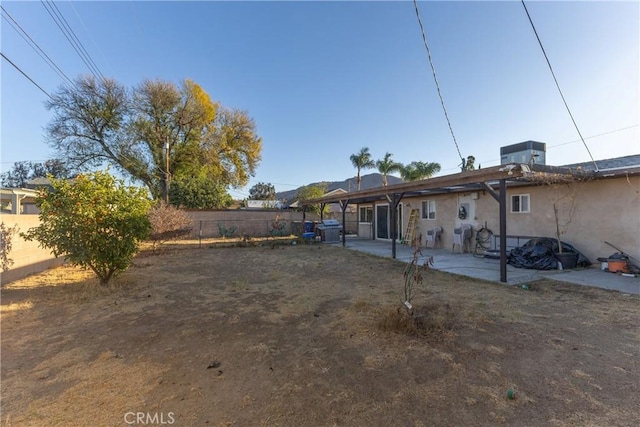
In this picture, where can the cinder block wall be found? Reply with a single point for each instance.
(28, 257)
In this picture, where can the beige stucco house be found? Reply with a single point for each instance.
(606, 195)
(606, 210)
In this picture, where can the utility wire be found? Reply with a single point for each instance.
(435, 78)
(26, 37)
(75, 37)
(25, 74)
(558, 85)
(594, 136)
(71, 37)
(89, 34)
(68, 32)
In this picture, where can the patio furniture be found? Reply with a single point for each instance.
(433, 236)
(461, 237)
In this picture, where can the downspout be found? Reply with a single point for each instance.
(24, 196)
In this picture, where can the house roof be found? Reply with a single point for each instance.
(609, 164)
(513, 174)
(40, 181)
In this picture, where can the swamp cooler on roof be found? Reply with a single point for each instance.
(524, 152)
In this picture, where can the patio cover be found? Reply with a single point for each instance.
(494, 180)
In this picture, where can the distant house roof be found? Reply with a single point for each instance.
(41, 182)
(35, 182)
(333, 207)
(335, 192)
(264, 204)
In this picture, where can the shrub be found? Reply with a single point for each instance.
(168, 223)
(226, 232)
(278, 227)
(413, 273)
(6, 236)
(93, 221)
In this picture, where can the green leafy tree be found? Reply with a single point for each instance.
(362, 160)
(6, 244)
(94, 221)
(415, 171)
(155, 133)
(387, 166)
(312, 192)
(198, 192)
(262, 191)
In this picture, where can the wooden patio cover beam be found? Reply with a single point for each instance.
(442, 183)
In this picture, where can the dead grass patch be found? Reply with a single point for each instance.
(434, 320)
(311, 335)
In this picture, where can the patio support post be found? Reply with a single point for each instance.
(395, 201)
(322, 205)
(393, 220)
(343, 206)
(503, 231)
(501, 197)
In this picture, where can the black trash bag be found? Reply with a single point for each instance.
(538, 253)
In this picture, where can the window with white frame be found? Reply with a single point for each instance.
(366, 214)
(520, 203)
(429, 209)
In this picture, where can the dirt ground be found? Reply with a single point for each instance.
(310, 335)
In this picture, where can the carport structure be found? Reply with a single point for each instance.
(493, 180)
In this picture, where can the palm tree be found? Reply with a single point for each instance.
(362, 160)
(415, 171)
(387, 166)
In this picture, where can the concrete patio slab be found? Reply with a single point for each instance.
(489, 269)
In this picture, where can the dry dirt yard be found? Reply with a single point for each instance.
(310, 335)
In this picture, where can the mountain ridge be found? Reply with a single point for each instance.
(372, 180)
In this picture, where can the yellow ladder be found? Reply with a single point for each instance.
(410, 232)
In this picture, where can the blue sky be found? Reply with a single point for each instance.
(323, 79)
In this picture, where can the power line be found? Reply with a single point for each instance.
(26, 37)
(89, 34)
(25, 74)
(558, 85)
(71, 37)
(95, 66)
(594, 136)
(435, 78)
